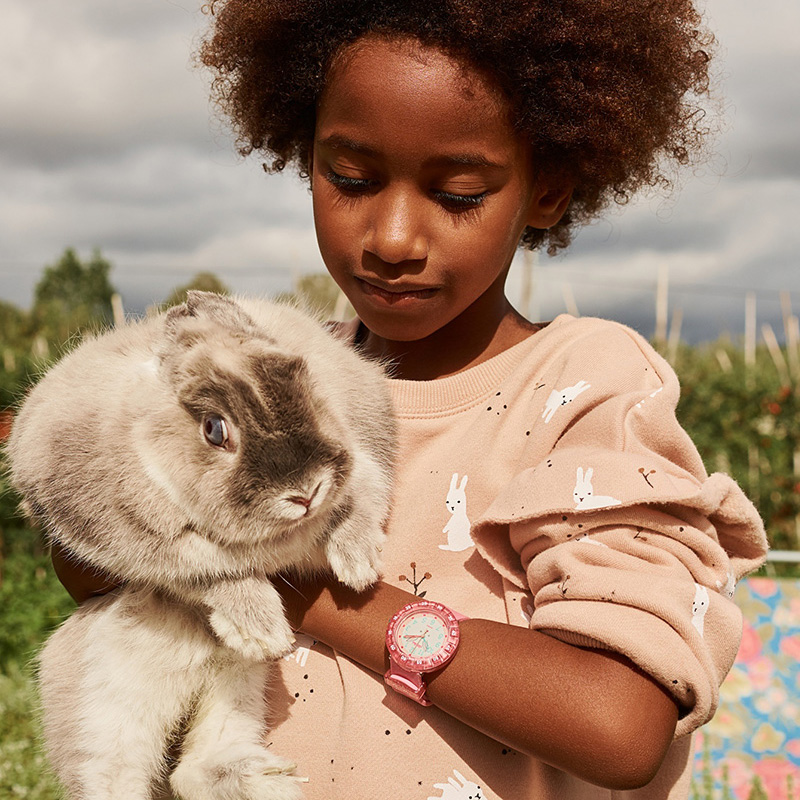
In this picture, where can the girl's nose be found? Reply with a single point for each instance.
(395, 232)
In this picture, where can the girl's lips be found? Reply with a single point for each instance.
(394, 296)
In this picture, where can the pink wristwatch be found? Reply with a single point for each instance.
(422, 636)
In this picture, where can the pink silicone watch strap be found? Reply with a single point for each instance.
(412, 684)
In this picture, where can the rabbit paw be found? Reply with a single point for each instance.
(247, 779)
(255, 639)
(357, 569)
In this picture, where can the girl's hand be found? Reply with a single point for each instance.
(79, 579)
(588, 712)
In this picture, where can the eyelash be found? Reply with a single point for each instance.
(452, 202)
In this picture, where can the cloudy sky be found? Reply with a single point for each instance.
(107, 140)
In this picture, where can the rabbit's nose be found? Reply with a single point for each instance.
(301, 501)
(307, 498)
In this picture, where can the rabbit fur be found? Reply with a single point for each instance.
(192, 456)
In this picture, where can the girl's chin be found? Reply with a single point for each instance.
(398, 325)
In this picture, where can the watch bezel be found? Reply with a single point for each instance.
(436, 660)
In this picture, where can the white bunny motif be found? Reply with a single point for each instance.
(729, 587)
(585, 539)
(560, 397)
(457, 528)
(584, 495)
(652, 394)
(301, 649)
(458, 789)
(699, 607)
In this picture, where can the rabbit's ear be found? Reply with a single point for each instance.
(589, 473)
(580, 475)
(463, 483)
(460, 777)
(216, 308)
(453, 480)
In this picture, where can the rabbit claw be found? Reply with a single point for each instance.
(286, 769)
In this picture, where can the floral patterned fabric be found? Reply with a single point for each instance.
(756, 730)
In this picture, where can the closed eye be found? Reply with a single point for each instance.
(459, 202)
(348, 184)
(451, 201)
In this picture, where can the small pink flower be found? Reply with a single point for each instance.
(750, 648)
(793, 748)
(763, 587)
(790, 645)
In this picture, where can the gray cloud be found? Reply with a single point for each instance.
(108, 140)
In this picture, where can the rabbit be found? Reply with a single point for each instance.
(561, 397)
(458, 526)
(459, 788)
(193, 456)
(584, 496)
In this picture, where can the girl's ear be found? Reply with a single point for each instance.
(548, 204)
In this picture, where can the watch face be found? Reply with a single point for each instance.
(423, 636)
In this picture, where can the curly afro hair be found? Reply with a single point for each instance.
(606, 91)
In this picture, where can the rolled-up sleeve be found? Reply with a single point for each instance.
(623, 540)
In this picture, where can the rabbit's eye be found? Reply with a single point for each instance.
(215, 430)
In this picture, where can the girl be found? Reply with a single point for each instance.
(544, 490)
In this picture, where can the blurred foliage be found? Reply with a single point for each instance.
(32, 600)
(72, 296)
(24, 773)
(13, 326)
(746, 422)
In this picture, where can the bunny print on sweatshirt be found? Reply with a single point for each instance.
(457, 527)
(458, 788)
(584, 495)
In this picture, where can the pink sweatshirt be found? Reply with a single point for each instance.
(550, 487)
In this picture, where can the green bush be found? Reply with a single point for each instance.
(23, 770)
(32, 600)
(746, 422)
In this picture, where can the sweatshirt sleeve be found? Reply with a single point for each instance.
(622, 538)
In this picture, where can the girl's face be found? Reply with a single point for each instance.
(421, 189)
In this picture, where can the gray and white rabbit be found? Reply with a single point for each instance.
(193, 456)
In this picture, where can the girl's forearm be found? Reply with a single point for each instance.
(590, 713)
